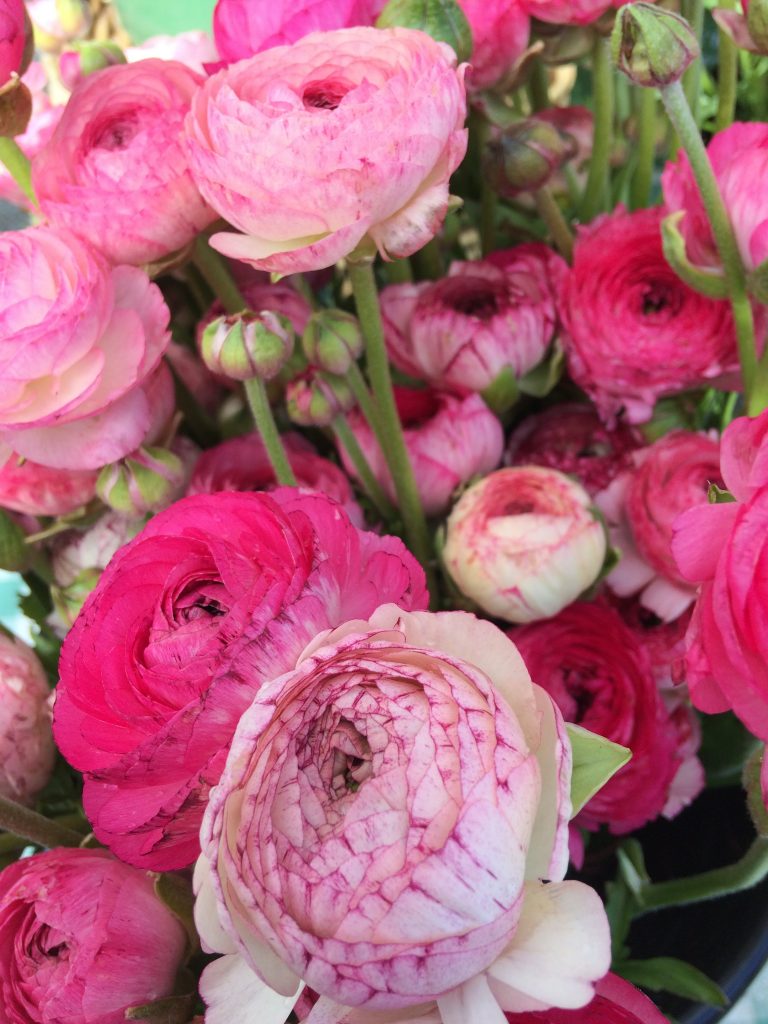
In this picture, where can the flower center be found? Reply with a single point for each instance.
(473, 297)
(659, 298)
(324, 95)
(116, 133)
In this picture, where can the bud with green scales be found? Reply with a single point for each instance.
(651, 46)
(332, 341)
(248, 345)
(525, 156)
(145, 481)
(315, 399)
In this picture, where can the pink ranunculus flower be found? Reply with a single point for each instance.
(27, 751)
(15, 40)
(217, 595)
(570, 437)
(407, 789)
(241, 464)
(194, 49)
(484, 317)
(615, 1002)
(449, 441)
(242, 28)
(342, 138)
(723, 548)
(45, 117)
(36, 490)
(83, 938)
(500, 31)
(739, 158)
(79, 342)
(115, 170)
(597, 671)
(640, 507)
(523, 543)
(634, 331)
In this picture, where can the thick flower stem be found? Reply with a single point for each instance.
(30, 825)
(680, 115)
(267, 428)
(538, 87)
(17, 165)
(727, 76)
(640, 189)
(693, 12)
(393, 446)
(214, 270)
(751, 869)
(599, 165)
(552, 216)
(369, 482)
(364, 398)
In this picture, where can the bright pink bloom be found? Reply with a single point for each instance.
(115, 170)
(241, 464)
(523, 543)
(485, 317)
(449, 440)
(217, 595)
(41, 491)
(193, 49)
(598, 673)
(641, 505)
(27, 752)
(615, 1002)
(344, 137)
(500, 30)
(634, 331)
(82, 939)
(45, 117)
(243, 28)
(15, 33)
(568, 12)
(407, 788)
(571, 438)
(739, 158)
(79, 342)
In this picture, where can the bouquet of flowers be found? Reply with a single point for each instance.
(384, 426)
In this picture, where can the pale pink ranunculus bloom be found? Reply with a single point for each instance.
(739, 158)
(194, 49)
(342, 138)
(449, 439)
(243, 28)
(36, 490)
(500, 31)
(523, 543)
(640, 506)
(385, 819)
(115, 169)
(83, 938)
(86, 390)
(486, 316)
(27, 751)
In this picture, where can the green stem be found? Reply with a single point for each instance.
(680, 115)
(538, 87)
(394, 449)
(372, 487)
(399, 271)
(642, 178)
(364, 398)
(429, 261)
(301, 285)
(18, 167)
(267, 428)
(552, 216)
(34, 827)
(693, 12)
(215, 271)
(751, 869)
(727, 76)
(599, 165)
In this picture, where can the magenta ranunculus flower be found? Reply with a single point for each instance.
(568, 12)
(27, 751)
(79, 342)
(597, 671)
(217, 595)
(449, 440)
(500, 31)
(739, 158)
(615, 1002)
(243, 28)
(634, 331)
(15, 40)
(41, 491)
(115, 169)
(641, 506)
(83, 938)
(523, 543)
(344, 137)
(484, 317)
(382, 828)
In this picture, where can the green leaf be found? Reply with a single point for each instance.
(595, 761)
(503, 391)
(539, 381)
(176, 893)
(717, 496)
(667, 974)
(706, 282)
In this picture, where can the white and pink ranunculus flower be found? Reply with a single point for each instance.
(27, 751)
(80, 348)
(391, 829)
(345, 136)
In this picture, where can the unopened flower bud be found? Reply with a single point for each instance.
(757, 23)
(86, 57)
(524, 157)
(67, 601)
(58, 21)
(145, 481)
(15, 110)
(652, 47)
(444, 20)
(27, 751)
(315, 399)
(332, 341)
(248, 345)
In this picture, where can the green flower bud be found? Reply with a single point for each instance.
(651, 46)
(68, 601)
(525, 156)
(757, 23)
(315, 399)
(145, 481)
(248, 345)
(332, 341)
(444, 20)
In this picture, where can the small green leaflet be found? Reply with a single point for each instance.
(595, 761)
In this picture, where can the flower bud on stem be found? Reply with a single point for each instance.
(33, 826)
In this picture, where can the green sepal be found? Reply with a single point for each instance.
(539, 381)
(595, 761)
(667, 974)
(707, 282)
(444, 20)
